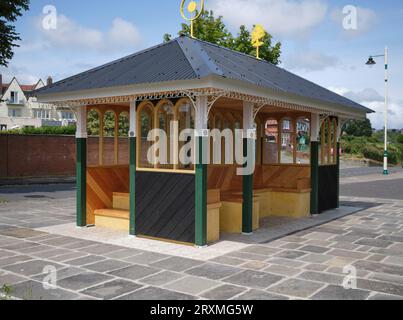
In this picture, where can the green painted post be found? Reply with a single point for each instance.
(315, 177)
(247, 206)
(81, 144)
(338, 175)
(132, 143)
(201, 194)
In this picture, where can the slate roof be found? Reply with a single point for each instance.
(185, 59)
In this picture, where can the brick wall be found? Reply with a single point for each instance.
(37, 156)
(48, 156)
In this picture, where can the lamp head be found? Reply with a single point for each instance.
(371, 61)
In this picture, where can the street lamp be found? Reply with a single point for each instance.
(371, 61)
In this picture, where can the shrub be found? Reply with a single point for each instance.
(375, 153)
(46, 130)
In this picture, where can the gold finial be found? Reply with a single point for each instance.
(194, 13)
(258, 34)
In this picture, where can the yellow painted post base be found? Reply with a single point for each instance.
(213, 222)
(112, 223)
(265, 199)
(231, 216)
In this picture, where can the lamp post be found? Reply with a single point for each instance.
(371, 62)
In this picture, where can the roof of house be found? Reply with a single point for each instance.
(26, 88)
(185, 59)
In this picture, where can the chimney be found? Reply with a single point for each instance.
(49, 82)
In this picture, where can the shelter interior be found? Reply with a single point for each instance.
(281, 181)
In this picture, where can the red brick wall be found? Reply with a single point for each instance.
(46, 156)
(37, 156)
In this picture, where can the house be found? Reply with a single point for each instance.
(19, 109)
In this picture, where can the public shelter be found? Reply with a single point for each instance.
(293, 125)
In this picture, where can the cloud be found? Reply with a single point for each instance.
(310, 61)
(370, 98)
(395, 114)
(72, 35)
(364, 95)
(366, 20)
(22, 74)
(280, 17)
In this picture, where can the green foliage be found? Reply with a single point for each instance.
(70, 130)
(10, 10)
(5, 292)
(371, 148)
(109, 124)
(359, 128)
(213, 30)
(399, 139)
(353, 145)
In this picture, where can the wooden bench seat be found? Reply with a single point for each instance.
(112, 218)
(113, 213)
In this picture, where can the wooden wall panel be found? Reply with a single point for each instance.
(102, 182)
(224, 178)
(165, 206)
(286, 177)
(327, 188)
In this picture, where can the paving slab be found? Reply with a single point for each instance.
(296, 287)
(314, 249)
(162, 278)
(224, 292)
(333, 292)
(192, 285)
(379, 267)
(85, 260)
(112, 289)
(153, 293)
(30, 268)
(9, 279)
(13, 260)
(387, 297)
(374, 243)
(83, 280)
(62, 273)
(254, 279)
(253, 295)
(177, 264)
(382, 287)
(146, 258)
(107, 265)
(33, 290)
(134, 272)
(213, 271)
(322, 277)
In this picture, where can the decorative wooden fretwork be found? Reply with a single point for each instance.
(213, 95)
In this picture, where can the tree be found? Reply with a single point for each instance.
(358, 128)
(10, 10)
(213, 30)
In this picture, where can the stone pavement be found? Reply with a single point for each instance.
(306, 265)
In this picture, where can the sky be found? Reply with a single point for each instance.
(322, 40)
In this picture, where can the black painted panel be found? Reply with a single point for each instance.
(165, 206)
(327, 188)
